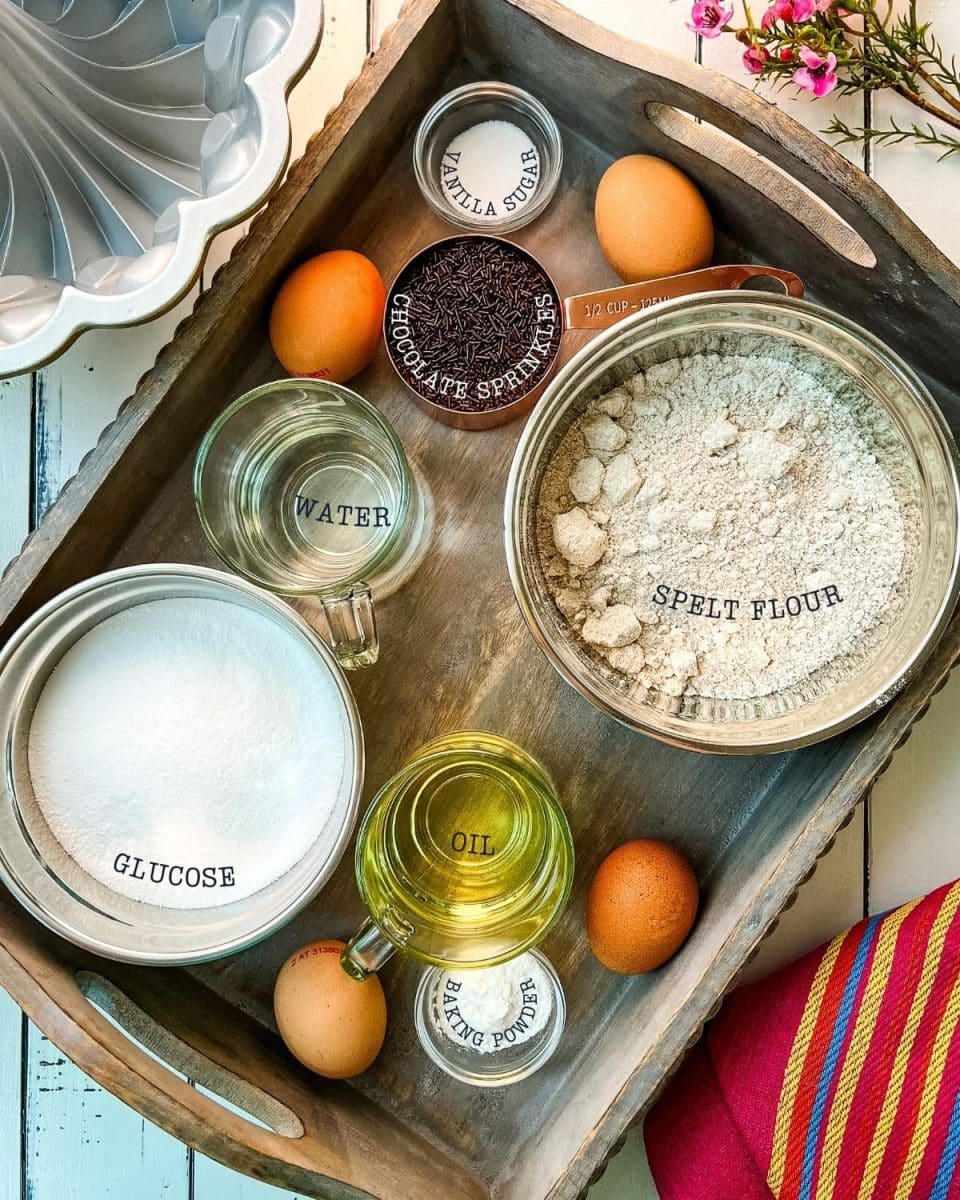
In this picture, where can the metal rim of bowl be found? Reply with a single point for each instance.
(726, 741)
(276, 920)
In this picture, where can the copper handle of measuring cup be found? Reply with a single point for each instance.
(600, 310)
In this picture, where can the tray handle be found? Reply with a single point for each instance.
(811, 202)
(187, 1065)
(302, 1133)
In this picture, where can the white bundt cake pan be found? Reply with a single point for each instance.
(130, 132)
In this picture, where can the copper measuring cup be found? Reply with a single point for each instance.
(590, 311)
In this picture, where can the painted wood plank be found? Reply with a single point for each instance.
(15, 423)
(15, 404)
(214, 1182)
(81, 1141)
(76, 396)
(73, 1128)
(627, 1176)
(383, 13)
(915, 819)
(15, 460)
(925, 188)
(211, 1181)
(625, 1173)
(833, 899)
(915, 844)
(725, 54)
(12, 1032)
(658, 23)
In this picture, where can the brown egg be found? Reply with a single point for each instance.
(651, 220)
(333, 1024)
(327, 318)
(641, 906)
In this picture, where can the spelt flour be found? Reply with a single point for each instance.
(730, 525)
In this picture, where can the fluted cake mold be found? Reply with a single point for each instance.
(130, 132)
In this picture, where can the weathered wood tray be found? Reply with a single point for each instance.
(455, 651)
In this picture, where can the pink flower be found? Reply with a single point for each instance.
(755, 58)
(708, 19)
(790, 11)
(817, 75)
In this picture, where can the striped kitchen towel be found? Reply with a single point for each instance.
(837, 1078)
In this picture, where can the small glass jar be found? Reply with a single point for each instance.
(459, 111)
(499, 1055)
(303, 488)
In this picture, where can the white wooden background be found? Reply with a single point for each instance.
(61, 1136)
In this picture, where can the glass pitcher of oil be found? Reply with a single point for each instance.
(464, 858)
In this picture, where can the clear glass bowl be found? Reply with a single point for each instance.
(497, 1068)
(814, 709)
(50, 884)
(467, 106)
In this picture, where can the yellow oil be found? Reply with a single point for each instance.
(465, 856)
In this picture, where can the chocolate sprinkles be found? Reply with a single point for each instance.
(473, 323)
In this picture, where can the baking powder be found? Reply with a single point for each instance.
(188, 752)
(729, 525)
(495, 1007)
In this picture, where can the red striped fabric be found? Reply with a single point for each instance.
(837, 1078)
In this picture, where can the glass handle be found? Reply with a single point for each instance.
(366, 952)
(353, 627)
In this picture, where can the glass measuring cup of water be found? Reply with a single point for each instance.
(303, 488)
(464, 858)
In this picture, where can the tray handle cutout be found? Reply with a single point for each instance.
(238, 1096)
(768, 177)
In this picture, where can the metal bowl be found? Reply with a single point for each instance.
(50, 884)
(814, 709)
(129, 134)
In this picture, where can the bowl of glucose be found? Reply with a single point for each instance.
(182, 762)
(742, 625)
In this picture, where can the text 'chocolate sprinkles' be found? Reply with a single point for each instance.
(473, 323)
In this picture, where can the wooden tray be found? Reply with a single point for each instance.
(455, 652)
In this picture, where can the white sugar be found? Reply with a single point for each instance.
(490, 171)
(187, 752)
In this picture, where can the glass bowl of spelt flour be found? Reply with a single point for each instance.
(732, 523)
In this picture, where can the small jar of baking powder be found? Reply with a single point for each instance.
(491, 1026)
(488, 156)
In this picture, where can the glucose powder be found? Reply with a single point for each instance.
(187, 752)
